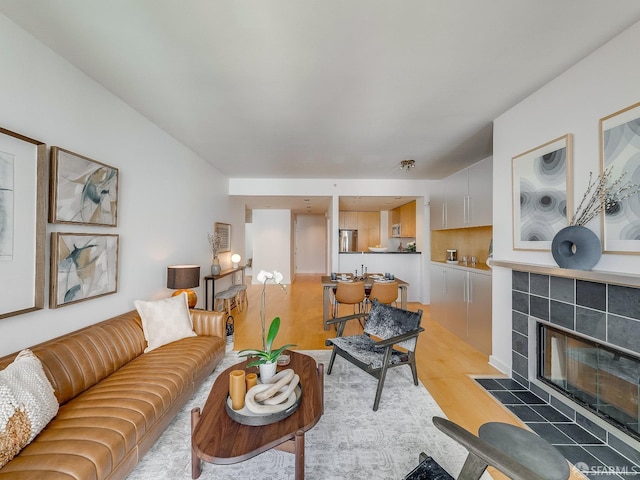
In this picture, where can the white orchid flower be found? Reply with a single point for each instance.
(266, 354)
(263, 276)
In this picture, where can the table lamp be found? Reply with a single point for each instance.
(183, 278)
(235, 260)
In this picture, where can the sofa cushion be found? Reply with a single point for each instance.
(27, 404)
(165, 321)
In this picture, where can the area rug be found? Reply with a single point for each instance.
(350, 441)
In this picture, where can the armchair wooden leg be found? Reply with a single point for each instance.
(383, 374)
(473, 468)
(333, 357)
(414, 370)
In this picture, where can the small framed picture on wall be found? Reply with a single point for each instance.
(224, 232)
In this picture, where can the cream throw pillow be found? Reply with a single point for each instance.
(165, 321)
(27, 404)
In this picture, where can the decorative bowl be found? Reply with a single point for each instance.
(378, 249)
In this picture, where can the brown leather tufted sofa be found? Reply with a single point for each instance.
(115, 400)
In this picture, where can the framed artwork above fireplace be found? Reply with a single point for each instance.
(620, 151)
(542, 198)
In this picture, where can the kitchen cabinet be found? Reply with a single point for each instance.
(461, 303)
(368, 230)
(405, 215)
(348, 220)
(367, 224)
(464, 199)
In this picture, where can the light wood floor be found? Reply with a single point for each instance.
(445, 362)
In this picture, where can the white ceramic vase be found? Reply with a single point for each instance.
(267, 370)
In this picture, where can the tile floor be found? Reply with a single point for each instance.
(588, 452)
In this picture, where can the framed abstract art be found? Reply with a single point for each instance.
(83, 266)
(542, 197)
(82, 190)
(620, 152)
(224, 232)
(23, 167)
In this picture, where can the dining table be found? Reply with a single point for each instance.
(328, 285)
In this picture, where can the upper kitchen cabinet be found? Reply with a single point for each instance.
(404, 217)
(464, 199)
(367, 224)
(348, 220)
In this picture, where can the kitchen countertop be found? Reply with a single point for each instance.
(482, 267)
(376, 253)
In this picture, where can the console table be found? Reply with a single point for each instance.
(211, 280)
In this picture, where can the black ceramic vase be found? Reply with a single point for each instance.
(576, 247)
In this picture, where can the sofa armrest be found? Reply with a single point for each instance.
(208, 323)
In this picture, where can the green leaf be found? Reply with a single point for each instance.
(273, 332)
(276, 353)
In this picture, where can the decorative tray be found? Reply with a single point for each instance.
(247, 417)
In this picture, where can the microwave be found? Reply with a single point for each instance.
(396, 230)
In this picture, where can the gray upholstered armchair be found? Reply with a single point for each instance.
(397, 331)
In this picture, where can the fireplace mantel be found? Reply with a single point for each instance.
(589, 275)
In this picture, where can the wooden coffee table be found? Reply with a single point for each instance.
(216, 438)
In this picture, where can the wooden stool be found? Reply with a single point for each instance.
(225, 296)
(241, 296)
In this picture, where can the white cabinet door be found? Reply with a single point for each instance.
(437, 207)
(456, 188)
(479, 312)
(456, 304)
(461, 303)
(438, 294)
(480, 200)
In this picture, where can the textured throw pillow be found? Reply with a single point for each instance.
(165, 321)
(27, 404)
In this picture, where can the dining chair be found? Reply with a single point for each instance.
(350, 293)
(383, 292)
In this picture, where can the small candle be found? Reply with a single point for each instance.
(251, 379)
(237, 389)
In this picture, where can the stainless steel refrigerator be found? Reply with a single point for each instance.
(348, 240)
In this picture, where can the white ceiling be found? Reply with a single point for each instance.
(325, 88)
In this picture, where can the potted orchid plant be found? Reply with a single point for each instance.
(268, 356)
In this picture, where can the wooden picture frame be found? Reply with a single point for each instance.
(83, 266)
(542, 193)
(620, 151)
(82, 190)
(224, 231)
(23, 191)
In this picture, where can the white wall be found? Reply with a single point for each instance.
(310, 244)
(169, 197)
(272, 242)
(604, 82)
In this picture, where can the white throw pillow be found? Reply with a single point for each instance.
(27, 404)
(165, 321)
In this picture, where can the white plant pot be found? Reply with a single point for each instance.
(267, 370)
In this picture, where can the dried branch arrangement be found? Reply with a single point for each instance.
(214, 243)
(603, 194)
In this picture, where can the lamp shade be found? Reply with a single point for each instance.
(235, 259)
(183, 276)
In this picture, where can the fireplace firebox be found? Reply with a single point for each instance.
(602, 379)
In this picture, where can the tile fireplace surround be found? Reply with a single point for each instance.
(604, 308)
